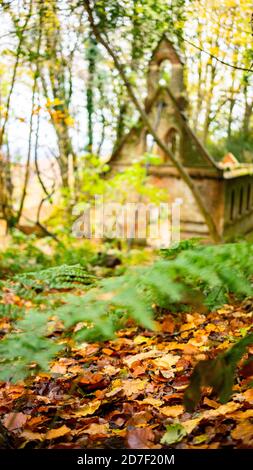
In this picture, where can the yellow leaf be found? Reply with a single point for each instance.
(166, 361)
(59, 432)
(230, 407)
(88, 409)
(151, 401)
(238, 415)
(172, 411)
(190, 424)
(249, 395)
(69, 121)
(141, 339)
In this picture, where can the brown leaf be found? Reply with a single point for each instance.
(91, 378)
(15, 420)
(168, 325)
(211, 403)
(139, 419)
(140, 438)
(97, 429)
(129, 361)
(131, 387)
(32, 436)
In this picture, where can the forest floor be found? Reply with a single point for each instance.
(128, 392)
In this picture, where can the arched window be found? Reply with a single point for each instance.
(149, 143)
(165, 72)
(172, 141)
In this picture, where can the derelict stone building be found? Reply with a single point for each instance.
(226, 187)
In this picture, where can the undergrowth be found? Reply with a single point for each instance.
(187, 275)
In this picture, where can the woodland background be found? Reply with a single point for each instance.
(108, 345)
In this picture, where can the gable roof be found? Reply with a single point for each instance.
(192, 136)
(166, 49)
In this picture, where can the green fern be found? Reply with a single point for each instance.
(59, 277)
(209, 273)
(27, 349)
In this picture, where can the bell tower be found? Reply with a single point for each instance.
(165, 51)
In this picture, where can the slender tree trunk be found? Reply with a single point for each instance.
(183, 173)
(91, 57)
(247, 113)
(199, 96)
(29, 154)
(207, 120)
(5, 168)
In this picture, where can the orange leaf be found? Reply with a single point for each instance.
(172, 411)
(58, 432)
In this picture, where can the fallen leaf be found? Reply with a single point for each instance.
(174, 433)
(190, 424)
(229, 407)
(243, 432)
(151, 401)
(141, 339)
(187, 348)
(238, 415)
(58, 432)
(140, 438)
(139, 419)
(249, 395)
(129, 361)
(131, 387)
(88, 409)
(166, 361)
(199, 439)
(211, 403)
(32, 436)
(107, 351)
(59, 369)
(15, 420)
(97, 429)
(172, 411)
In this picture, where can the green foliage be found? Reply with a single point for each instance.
(174, 433)
(239, 144)
(27, 349)
(206, 273)
(174, 250)
(218, 374)
(22, 255)
(25, 253)
(59, 277)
